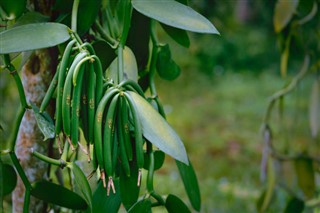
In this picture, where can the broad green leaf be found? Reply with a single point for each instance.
(142, 206)
(180, 36)
(130, 67)
(175, 14)
(81, 183)
(8, 179)
(294, 205)
(13, 8)
(104, 52)
(103, 203)
(284, 11)
(156, 130)
(314, 109)
(190, 183)
(45, 123)
(33, 36)
(58, 195)
(138, 38)
(166, 67)
(175, 205)
(306, 176)
(87, 14)
(129, 190)
(158, 160)
(31, 17)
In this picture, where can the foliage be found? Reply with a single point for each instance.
(100, 89)
(297, 25)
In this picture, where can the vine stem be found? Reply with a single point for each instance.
(154, 57)
(105, 35)
(151, 168)
(26, 203)
(74, 15)
(287, 89)
(120, 63)
(47, 159)
(20, 171)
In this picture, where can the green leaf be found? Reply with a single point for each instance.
(190, 183)
(158, 160)
(103, 203)
(104, 52)
(175, 205)
(180, 36)
(138, 38)
(88, 11)
(45, 123)
(294, 205)
(284, 11)
(156, 130)
(81, 183)
(142, 206)
(306, 176)
(8, 179)
(175, 14)
(314, 109)
(58, 195)
(13, 8)
(31, 17)
(33, 36)
(129, 190)
(166, 67)
(130, 67)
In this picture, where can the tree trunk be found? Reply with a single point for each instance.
(36, 76)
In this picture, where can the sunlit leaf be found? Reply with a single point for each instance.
(175, 205)
(156, 130)
(284, 11)
(180, 36)
(130, 67)
(129, 190)
(81, 183)
(31, 17)
(190, 183)
(33, 36)
(158, 160)
(13, 8)
(306, 176)
(175, 14)
(141, 206)
(8, 179)
(294, 205)
(103, 203)
(45, 123)
(314, 109)
(58, 195)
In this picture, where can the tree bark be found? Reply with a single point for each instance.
(36, 76)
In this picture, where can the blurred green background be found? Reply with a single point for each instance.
(217, 104)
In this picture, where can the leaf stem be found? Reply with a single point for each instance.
(74, 15)
(47, 159)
